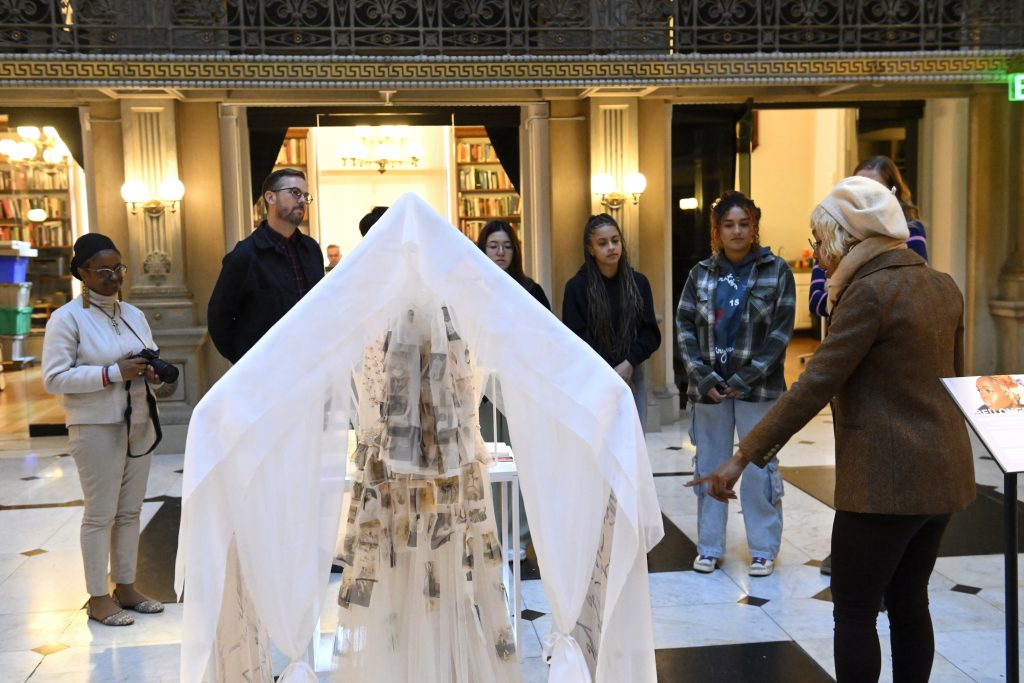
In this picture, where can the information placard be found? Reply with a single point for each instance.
(994, 407)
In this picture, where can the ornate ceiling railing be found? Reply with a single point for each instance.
(434, 28)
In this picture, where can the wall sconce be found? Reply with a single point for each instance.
(604, 184)
(688, 204)
(169, 194)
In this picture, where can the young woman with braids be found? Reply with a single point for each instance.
(610, 306)
(734, 321)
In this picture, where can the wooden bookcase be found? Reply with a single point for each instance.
(483, 191)
(26, 185)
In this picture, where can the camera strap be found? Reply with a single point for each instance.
(154, 416)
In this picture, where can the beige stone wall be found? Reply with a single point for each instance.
(202, 215)
(570, 193)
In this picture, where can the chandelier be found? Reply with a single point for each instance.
(380, 147)
(35, 145)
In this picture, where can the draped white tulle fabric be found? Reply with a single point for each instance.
(264, 460)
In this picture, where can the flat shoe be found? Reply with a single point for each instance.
(144, 607)
(121, 618)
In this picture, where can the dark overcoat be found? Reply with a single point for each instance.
(901, 444)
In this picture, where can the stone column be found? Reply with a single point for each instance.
(156, 261)
(1008, 305)
(614, 142)
(234, 155)
(535, 160)
(655, 257)
(615, 149)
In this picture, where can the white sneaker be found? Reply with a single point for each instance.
(761, 566)
(705, 564)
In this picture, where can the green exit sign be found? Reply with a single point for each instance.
(1017, 87)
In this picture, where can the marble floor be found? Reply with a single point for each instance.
(722, 626)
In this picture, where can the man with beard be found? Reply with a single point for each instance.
(268, 271)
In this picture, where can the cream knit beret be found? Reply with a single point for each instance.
(866, 208)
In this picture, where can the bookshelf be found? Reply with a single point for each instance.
(483, 191)
(30, 184)
(294, 153)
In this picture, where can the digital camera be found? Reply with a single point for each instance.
(165, 371)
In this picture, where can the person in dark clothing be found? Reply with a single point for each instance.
(367, 221)
(268, 271)
(499, 241)
(610, 306)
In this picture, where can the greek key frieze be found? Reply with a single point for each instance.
(473, 73)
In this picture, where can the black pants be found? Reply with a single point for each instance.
(890, 556)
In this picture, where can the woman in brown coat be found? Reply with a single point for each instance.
(903, 459)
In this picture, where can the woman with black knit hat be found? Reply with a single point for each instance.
(610, 306)
(90, 359)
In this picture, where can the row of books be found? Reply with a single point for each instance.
(21, 178)
(478, 179)
(293, 153)
(49, 234)
(471, 228)
(490, 206)
(16, 208)
(469, 152)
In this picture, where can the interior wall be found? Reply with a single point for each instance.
(345, 195)
(570, 192)
(801, 154)
(202, 212)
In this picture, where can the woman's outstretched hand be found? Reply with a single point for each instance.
(721, 482)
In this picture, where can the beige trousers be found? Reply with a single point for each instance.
(113, 486)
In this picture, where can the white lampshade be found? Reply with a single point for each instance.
(52, 155)
(414, 149)
(688, 203)
(24, 150)
(602, 183)
(51, 133)
(28, 132)
(389, 152)
(134, 192)
(36, 215)
(635, 183)
(363, 132)
(171, 190)
(7, 147)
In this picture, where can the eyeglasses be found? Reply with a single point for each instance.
(297, 194)
(814, 245)
(110, 273)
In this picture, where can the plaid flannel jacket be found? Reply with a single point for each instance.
(760, 345)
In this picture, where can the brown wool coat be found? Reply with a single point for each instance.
(901, 443)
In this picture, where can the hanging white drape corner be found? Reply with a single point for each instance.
(565, 657)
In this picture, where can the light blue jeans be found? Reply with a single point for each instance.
(712, 432)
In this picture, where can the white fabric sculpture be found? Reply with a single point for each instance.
(266, 449)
